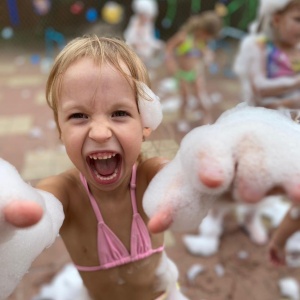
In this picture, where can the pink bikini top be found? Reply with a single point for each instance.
(111, 251)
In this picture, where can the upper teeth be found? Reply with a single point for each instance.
(106, 156)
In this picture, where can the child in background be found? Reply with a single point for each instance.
(140, 32)
(185, 53)
(268, 62)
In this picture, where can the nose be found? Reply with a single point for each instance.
(100, 131)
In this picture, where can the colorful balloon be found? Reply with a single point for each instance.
(91, 15)
(77, 7)
(112, 12)
(221, 9)
(7, 33)
(41, 7)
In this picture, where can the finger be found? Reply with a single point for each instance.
(252, 181)
(213, 170)
(211, 173)
(160, 221)
(293, 190)
(249, 191)
(23, 214)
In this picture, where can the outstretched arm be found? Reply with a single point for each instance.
(288, 226)
(170, 55)
(22, 214)
(28, 217)
(247, 154)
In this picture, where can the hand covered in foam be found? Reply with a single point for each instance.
(246, 154)
(20, 246)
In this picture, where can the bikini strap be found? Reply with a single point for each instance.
(92, 200)
(132, 194)
(133, 188)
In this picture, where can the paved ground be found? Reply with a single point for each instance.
(29, 140)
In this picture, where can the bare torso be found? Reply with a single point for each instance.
(132, 281)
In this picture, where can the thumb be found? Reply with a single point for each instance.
(23, 213)
(161, 221)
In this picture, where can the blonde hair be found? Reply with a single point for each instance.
(208, 21)
(101, 50)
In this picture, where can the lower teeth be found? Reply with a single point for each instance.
(107, 177)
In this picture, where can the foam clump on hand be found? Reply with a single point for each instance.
(247, 152)
(19, 247)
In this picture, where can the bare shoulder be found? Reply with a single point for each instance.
(61, 186)
(176, 39)
(150, 167)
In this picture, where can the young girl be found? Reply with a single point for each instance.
(185, 52)
(268, 62)
(103, 108)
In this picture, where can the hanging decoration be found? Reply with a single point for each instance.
(53, 38)
(170, 14)
(196, 6)
(13, 12)
(246, 10)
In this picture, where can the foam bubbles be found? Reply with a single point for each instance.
(263, 143)
(32, 240)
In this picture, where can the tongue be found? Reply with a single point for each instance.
(106, 167)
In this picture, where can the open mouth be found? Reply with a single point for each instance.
(105, 166)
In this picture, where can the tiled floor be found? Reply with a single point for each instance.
(28, 139)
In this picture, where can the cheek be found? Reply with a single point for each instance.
(132, 140)
(71, 141)
(74, 150)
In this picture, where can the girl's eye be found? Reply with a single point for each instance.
(120, 113)
(78, 116)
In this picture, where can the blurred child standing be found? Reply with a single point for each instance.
(140, 32)
(185, 53)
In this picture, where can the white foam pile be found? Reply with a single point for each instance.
(289, 287)
(66, 285)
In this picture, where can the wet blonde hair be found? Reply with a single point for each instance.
(208, 21)
(101, 50)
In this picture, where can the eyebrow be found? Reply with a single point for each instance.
(70, 105)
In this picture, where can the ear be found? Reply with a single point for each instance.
(276, 19)
(61, 138)
(146, 132)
